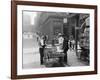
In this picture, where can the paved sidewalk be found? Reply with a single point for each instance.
(73, 60)
(31, 59)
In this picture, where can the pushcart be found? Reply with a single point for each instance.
(53, 57)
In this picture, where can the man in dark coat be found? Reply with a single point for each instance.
(65, 49)
(42, 44)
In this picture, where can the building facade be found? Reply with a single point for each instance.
(52, 23)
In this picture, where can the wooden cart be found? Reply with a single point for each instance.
(52, 56)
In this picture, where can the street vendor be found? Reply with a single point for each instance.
(60, 42)
(42, 44)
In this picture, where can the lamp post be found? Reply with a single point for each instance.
(77, 28)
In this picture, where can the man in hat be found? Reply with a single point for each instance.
(60, 42)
